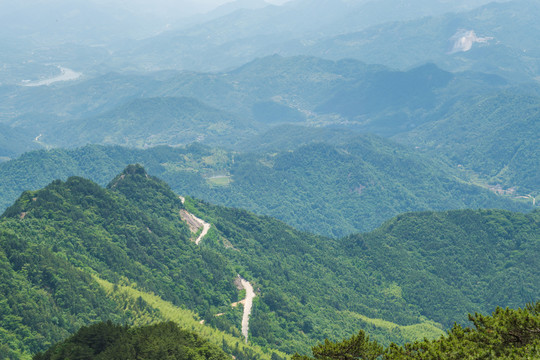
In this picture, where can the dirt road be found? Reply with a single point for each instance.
(194, 223)
(248, 304)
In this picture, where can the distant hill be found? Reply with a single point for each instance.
(14, 141)
(232, 108)
(495, 38)
(291, 29)
(154, 121)
(96, 38)
(267, 91)
(331, 189)
(497, 137)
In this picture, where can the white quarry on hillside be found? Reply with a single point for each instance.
(463, 40)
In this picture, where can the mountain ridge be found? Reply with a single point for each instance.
(131, 234)
(353, 178)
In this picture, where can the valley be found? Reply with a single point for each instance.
(270, 180)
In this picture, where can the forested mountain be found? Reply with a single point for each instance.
(477, 254)
(231, 108)
(506, 334)
(497, 136)
(155, 121)
(312, 86)
(329, 168)
(353, 185)
(58, 237)
(156, 342)
(121, 243)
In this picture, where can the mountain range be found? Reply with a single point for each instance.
(258, 179)
(131, 236)
(332, 189)
(228, 109)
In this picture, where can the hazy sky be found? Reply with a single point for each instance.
(34, 13)
(151, 6)
(208, 4)
(195, 5)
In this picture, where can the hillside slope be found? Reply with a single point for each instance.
(497, 137)
(456, 259)
(332, 189)
(154, 121)
(127, 245)
(88, 230)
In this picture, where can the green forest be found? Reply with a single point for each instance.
(270, 180)
(506, 334)
(75, 253)
(109, 341)
(332, 189)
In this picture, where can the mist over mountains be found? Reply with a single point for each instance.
(250, 178)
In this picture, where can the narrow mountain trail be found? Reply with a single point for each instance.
(248, 304)
(195, 224)
(206, 227)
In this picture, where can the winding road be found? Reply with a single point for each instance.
(248, 304)
(195, 224)
(206, 227)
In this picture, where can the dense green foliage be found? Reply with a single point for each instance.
(439, 264)
(102, 231)
(331, 189)
(456, 260)
(75, 253)
(304, 293)
(337, 190)
(497, 137)
(43, 298)
(130, 235)
(108, 341)
(507, 334)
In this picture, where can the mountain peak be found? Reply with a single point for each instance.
(130, 170)
(135, 169)
(146, 191)
(59, 196)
